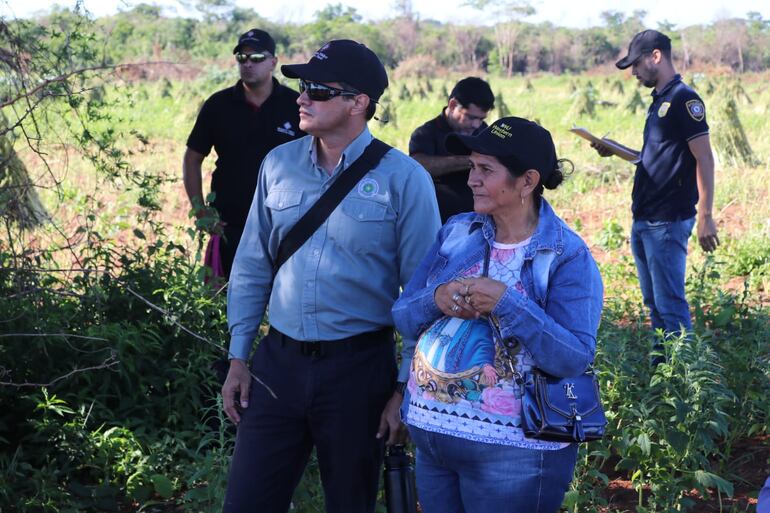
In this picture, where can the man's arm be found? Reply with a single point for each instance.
(440, 166)
(192, 177)
(700, 147)
(417, 224)
(248, 291)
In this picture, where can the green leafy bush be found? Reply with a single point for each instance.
(118, 428)
(611, 236)
(672, 428)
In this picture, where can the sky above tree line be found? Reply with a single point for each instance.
(568, 13)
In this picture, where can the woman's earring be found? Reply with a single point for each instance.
(522, 200)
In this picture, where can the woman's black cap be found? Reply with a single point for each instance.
(529, 143)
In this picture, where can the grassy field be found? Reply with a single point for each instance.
(691, 435)
(595, 200)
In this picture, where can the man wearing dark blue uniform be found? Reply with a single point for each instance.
(675, 171)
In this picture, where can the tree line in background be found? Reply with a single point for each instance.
(419, 46)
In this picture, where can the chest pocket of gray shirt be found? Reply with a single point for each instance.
(360, 227)
(284, 208)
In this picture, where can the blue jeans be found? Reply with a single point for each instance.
(763, 502)
(660, 252)
(455, 475)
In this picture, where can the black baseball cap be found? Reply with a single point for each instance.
(257, 39)
(642, 43)
(521, 139)
(343, 60)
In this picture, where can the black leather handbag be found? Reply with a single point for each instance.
(562, 409)
(558, 409)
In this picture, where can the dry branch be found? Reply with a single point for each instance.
(193, 334)
(106, 364)
(66, 76)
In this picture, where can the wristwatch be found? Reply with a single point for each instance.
(400, 387)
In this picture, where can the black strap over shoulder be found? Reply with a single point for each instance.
(322, 209)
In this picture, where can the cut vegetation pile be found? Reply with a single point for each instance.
(730, 142)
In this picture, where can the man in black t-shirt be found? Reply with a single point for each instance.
(469, 103)
(675, 171)
(242, 123)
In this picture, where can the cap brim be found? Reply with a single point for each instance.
(629, 59)
(625, 62)
(458, 144)
(308, 71)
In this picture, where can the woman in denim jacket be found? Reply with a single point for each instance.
(502, 290)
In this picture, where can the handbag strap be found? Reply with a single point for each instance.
(484, 274)
(495, 323)
(329, 200)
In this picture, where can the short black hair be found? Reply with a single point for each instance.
(473, 90)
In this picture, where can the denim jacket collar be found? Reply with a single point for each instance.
(548, 236)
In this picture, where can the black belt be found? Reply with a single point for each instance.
(321, 348)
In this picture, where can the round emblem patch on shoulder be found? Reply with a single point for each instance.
(368, 187)
(663, 110)
(696, 110)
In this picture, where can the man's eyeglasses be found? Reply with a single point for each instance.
(253, 57)
(322, 93)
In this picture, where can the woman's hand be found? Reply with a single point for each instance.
(450, 299)
(482, 294)
(488, 375)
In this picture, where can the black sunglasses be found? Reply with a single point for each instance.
(322, 93)
(253, 57)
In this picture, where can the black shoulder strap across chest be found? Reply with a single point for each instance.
(329, 200)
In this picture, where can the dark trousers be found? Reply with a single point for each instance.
(332, 401)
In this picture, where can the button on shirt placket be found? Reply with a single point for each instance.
(646, 130)
(315, 250)
(657, 99)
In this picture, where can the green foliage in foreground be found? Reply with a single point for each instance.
(143, 431)
(135, 422)
(673, 429)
